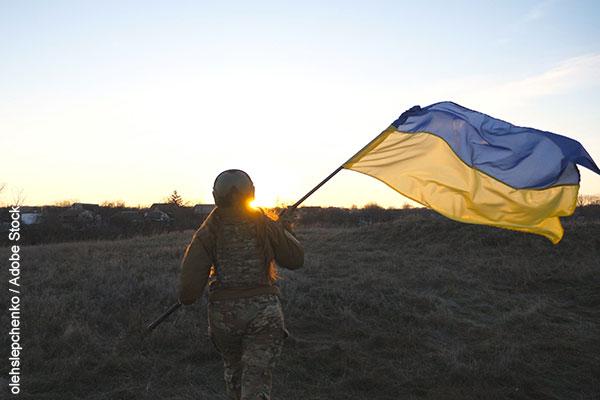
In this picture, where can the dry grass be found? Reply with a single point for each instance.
(419, 308)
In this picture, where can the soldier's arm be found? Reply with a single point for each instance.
(288, 250)
(195, 267)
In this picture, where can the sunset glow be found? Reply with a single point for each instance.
(98, 109)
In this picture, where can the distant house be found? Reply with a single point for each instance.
(95, 208)
(155, 214)
(31, 218)
(203, 209)
(31, 215)
(168, 208)
(81, 214)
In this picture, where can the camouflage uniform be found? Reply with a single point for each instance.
(249, 334)
(236, 251)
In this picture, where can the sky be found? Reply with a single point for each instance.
(130, 100)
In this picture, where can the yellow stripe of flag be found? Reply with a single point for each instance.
(423, 167)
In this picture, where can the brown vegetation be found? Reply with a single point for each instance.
(416, 308)
(588, 200)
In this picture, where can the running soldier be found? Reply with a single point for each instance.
(236, 251)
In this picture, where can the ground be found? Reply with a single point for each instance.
(417, 308)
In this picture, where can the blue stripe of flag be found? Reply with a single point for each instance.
(524, 158)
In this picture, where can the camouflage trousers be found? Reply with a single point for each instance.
(249, 334)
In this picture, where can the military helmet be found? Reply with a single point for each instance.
(232, 187)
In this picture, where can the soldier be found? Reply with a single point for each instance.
(236, 250)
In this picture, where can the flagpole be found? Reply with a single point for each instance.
(324, 181)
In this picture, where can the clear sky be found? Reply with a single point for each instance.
(129, 100)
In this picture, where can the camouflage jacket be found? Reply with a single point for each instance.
(236, 252)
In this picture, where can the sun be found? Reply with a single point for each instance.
(252, 204)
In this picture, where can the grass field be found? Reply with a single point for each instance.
(418, 308)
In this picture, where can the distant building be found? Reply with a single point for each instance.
(168, 208)
(203, 209)
(31, 218)
(31, 215)
(157, 215)
(81, 214)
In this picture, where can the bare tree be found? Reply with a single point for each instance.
(65, 203)
(372, 206)
(18, 197)
(2, 187)
(113, 204)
